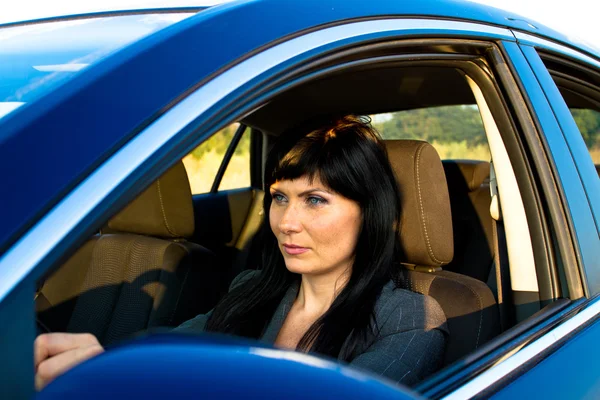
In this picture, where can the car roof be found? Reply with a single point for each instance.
(454, 9)
(95, 88)
(70, 9)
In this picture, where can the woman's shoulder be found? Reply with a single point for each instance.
(400, 309)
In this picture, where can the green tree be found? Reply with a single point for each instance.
(448, 124)
(588, 122)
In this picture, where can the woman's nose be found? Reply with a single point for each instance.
(290, 221)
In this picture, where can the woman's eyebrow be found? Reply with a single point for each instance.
(313, 190)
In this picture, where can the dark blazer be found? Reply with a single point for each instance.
(410, 341)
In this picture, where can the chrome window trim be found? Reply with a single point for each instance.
(37, 243)
(524, 38)
(496, 373)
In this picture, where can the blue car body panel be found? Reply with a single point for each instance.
(130, 89)
(575, 366)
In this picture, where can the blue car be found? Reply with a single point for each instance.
(132, 146)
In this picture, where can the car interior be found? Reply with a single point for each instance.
(172, 252)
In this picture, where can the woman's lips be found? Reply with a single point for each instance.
(293, 250)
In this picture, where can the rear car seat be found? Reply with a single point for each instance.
(427, 242)
(469, 189)
(145, 274)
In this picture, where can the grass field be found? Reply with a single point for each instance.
(461, 151)
(595, 153)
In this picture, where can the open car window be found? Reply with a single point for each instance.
(504, 266)
(456, 132)
(204, 162)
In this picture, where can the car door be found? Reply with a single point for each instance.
(567, 81)
(561, 341)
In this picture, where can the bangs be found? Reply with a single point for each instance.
(302, 160)
(345, 154)
(321, 157)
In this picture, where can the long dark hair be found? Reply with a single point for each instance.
(347, 155)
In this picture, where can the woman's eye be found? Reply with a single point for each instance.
(315, 201)
(278, 197)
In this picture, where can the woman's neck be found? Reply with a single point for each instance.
(317, 292)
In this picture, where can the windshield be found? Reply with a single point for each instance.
(38, 57)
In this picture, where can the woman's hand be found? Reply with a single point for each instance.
(55, 353)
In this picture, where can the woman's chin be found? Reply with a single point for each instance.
(300, 266)
(297, 268)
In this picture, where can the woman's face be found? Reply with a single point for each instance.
(316, 228)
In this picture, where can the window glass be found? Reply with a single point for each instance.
(588, 122)
(203, 163)
(237, 174)
(456, 132)
(579, 86)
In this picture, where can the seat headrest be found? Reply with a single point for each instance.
(467, 173)
(426, 221)
(164, 209)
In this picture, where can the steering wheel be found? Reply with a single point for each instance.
(213, 366)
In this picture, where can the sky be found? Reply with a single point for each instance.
(574, 18)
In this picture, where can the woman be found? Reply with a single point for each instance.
(330, 249)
